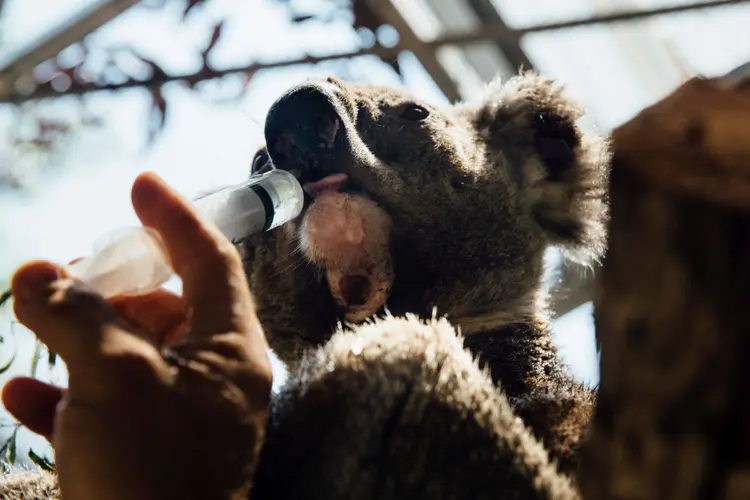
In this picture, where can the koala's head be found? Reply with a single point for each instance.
(413, 207)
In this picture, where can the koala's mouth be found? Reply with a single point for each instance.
(347, 234)
(342, 230)
(328, 184)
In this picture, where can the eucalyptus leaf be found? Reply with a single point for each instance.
(42, 462)
(3, 448)
(35, 358)
(5, 366)
(12, 448)
(5, 297)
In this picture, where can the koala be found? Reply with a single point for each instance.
(415, 208)
(407, 300)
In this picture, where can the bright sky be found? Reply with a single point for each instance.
(208, 145)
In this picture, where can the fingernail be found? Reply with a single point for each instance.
(34, 279)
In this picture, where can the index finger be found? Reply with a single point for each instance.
(214, 284)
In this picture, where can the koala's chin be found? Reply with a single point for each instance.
(347, 234)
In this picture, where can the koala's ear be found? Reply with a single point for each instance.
(562, 173)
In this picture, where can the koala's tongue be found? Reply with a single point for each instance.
(348, 235)
(330, 184)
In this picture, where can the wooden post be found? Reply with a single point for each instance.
(672, 305)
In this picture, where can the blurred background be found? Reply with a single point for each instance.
(93, 92)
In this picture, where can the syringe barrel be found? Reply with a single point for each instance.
(133, 261)
(262, 203)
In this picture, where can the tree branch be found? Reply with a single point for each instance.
(204, 74)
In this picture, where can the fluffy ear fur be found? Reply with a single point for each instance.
(561, 173)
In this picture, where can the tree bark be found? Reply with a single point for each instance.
(673, 415)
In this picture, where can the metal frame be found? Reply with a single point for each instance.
(494, 29)
(51, 45)
(389, 14)
(510, 46)
(500, 32)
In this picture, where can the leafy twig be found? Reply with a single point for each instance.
(35, 358)
(8, 450)
(5, 297)
(42, 462)
(215, 35)
(6, 366)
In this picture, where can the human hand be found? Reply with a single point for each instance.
(138, 420)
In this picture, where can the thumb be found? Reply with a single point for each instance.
(214, 284)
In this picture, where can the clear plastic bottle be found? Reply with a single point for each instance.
(133, 261)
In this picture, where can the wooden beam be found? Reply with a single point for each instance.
(52, 44)
(387, 11)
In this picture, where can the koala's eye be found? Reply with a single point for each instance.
(415, 113)
(261, 163)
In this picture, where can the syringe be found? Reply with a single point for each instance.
(133, 261)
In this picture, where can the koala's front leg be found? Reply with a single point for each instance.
(523, 361)
(398, 409)
(559, 417)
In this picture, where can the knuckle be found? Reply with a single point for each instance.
(72, 300)
(231, 346)
(219, 256)
(227, 346)
(215, 258)
(227, 254)
(129, 364)
(230, 355)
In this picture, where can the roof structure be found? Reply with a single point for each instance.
(463, 44)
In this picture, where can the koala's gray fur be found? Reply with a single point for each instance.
(406, 406)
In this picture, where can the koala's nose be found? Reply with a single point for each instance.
(301, 129)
